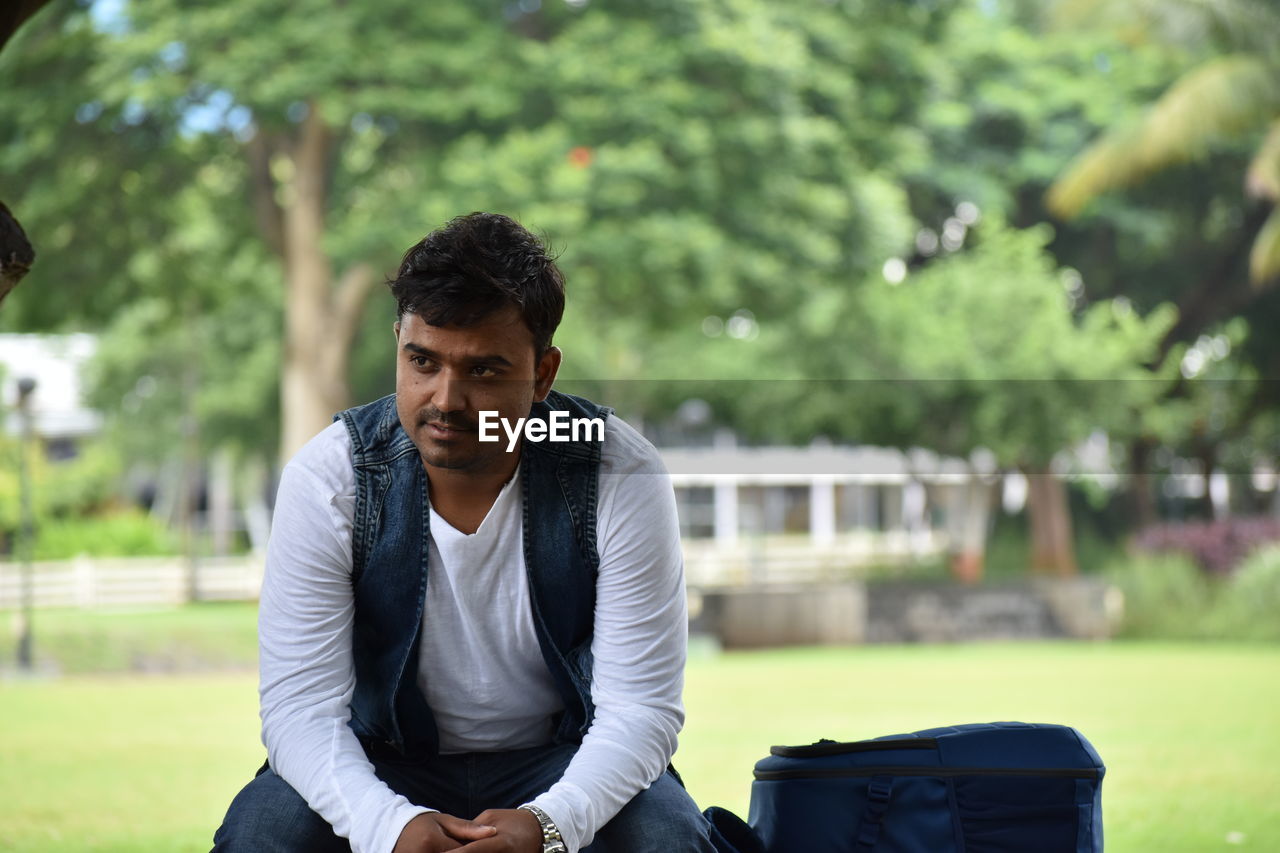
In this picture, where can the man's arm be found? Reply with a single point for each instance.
(639, 647)
(306, 672)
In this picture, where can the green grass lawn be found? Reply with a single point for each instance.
(198, 637)
(1188, 733)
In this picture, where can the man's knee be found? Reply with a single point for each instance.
(269, 816)
(660, 818)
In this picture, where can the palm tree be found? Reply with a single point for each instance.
(1233, 94)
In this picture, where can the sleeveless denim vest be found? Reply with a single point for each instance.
(390, 537)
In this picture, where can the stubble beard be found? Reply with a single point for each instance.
(457, 454)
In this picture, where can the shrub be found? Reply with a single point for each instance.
(1249, 607)
(1216, 546)
(1165, 596)
(61, 490)
(130, 533)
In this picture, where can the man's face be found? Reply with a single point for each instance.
(447, 375)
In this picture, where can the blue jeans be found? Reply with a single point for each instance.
(269, 816)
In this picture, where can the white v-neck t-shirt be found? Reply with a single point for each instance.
(480, 666)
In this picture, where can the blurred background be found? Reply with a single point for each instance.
(955, 322)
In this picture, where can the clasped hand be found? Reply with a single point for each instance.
(493, 831)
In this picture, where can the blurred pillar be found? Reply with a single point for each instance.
(726, 493)
(914, 503)
(822, 510)
(1220, 493)
(726, 507)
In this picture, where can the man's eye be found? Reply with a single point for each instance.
(481, 370)
(418, 360)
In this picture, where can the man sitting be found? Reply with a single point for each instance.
(471, 644)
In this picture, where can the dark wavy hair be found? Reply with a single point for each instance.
(476, 265)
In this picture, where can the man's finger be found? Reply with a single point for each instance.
(487, 845)
(465, 830)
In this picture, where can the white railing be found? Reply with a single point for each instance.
(797, 559)
(158, 581)
(126, 581)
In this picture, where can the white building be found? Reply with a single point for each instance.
(56, 363)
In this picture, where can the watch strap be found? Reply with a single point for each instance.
(552, 841)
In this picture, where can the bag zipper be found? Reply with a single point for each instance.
(858, 772)
(830, 747)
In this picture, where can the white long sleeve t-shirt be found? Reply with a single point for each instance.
(480, 666)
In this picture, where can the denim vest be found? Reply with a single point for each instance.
(390, 537)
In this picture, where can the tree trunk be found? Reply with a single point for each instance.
(1141, 481)
(1208, 457)
(1052, 549)
(321, 318)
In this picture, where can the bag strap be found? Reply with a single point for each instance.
(879, 792)
(730, 833)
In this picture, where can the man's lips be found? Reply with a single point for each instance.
(444, 430)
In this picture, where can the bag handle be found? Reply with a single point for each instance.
(879, 792)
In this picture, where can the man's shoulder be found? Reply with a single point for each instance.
(373, 428)
(626, 451)
(325, 460)
(575, 405)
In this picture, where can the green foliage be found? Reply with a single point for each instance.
(691, 160)
(1012, 102)
(1167, 596)
(695, 162)
(128, 533)
(60, 489)
(91, 179)
(1009, 546)
(951, 376)
(1229, 94)
(75, 506)
(1019, 95)
(1247, 608)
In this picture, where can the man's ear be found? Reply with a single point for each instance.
(545, 375)
(395, 327)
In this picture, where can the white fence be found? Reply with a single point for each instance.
(797, 559)
(124, 581)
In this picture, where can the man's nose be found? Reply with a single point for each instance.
(450, 393)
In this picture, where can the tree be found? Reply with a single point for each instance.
(984, 351)
(310, 118)
(1231, 93)
(698, 154)
(1184, 149)
(1015, 99)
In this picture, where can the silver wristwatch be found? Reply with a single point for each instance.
(551, 840)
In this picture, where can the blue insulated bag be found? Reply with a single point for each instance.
(981, 788)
